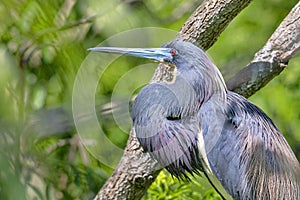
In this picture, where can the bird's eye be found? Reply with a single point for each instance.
(173, 52)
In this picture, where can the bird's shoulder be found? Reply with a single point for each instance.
(241, 112)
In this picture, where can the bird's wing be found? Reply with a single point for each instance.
(247, 153)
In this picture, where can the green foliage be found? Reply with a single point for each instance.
(42, 45)
(167, 187)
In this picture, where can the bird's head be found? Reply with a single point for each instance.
(179, 58)
(165, 112)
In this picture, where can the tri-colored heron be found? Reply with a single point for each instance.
(190, 122)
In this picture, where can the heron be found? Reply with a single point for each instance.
(190, 122)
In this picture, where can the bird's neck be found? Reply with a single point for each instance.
(206, 84)
(213, 85)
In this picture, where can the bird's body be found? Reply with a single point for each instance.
(192, 123)
(258, 163)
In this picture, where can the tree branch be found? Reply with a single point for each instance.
(209, 21)
(269, 61)
(133, 175)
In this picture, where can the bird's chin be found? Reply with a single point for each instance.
(175, 149)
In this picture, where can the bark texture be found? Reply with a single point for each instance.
(137, 170)
(133, 175)
(270, 60)
(209, 20)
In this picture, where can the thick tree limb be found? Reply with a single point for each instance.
(209, 21)
(133, 175)
(136, 171)
(269, 61)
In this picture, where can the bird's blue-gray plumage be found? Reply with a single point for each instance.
(191, 122)
(166, 115)
(245, 150)
(251, 158)
(169, 129)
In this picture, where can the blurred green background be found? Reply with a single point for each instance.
(43, 44)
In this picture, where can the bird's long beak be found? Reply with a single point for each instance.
(158, 54)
